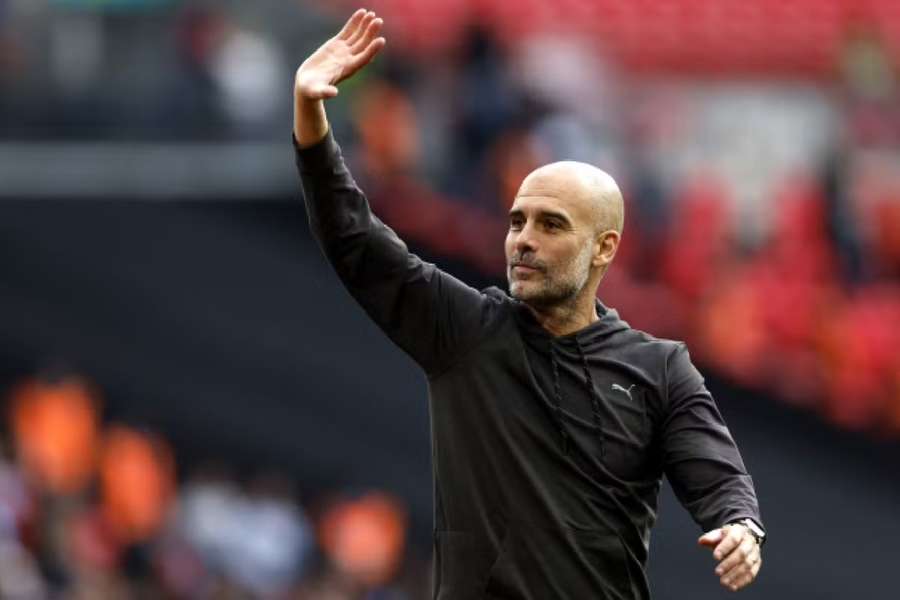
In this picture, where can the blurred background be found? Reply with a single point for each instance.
(193, 407)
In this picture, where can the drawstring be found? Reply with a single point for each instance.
(592, 393)
(557, 396)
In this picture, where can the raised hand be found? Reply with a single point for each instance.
(340, 57)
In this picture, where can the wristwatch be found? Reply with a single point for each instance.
(754, 529)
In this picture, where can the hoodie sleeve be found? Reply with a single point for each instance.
(701, 459)
(431, 315)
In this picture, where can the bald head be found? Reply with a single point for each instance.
(588, 189)
(564, 229)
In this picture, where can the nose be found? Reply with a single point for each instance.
(526, 240)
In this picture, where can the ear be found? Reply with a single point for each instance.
(605, 248)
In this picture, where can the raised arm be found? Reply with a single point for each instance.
(428, 313)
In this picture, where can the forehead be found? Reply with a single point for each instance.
(533, 205)
(538, 194)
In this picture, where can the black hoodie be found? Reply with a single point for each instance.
(548, 452)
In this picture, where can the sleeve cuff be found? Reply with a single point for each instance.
(324, 155)
(761, 535)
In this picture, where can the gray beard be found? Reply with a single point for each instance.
(554, 293)
(561, 290)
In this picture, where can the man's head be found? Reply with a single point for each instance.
(564, 229)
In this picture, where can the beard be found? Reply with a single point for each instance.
(549, 285)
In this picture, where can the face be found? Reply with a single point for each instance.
(549, 249)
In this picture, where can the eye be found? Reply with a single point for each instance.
(515, 223)
(553, 225)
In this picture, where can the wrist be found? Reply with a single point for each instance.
(310, 121)
(753, 527)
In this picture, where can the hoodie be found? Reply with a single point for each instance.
(548, 452)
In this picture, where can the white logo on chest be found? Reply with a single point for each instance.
(627, 392)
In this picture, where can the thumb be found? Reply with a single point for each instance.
(319, 91)
(711, 538)
(324, 92)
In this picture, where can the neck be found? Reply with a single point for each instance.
(565, 318)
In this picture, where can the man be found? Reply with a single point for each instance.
(552, 420)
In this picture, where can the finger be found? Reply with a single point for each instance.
(730, 541)
(711, 538)
(757, 566)
(352, 24)
(740, 582)
(371, 32)
(360, 28)
(368, 54)
(745, 571)
(739, 557)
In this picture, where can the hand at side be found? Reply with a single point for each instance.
(737, 552)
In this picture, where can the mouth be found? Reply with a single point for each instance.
(524, 269)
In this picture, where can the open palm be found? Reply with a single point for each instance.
(340, 57)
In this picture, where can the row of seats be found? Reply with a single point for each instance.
(792, 35)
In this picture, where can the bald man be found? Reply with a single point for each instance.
(552, 420)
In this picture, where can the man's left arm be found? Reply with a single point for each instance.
(707, 473)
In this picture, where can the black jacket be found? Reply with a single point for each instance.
(548, 452)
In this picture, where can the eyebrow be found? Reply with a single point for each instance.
(544, 214)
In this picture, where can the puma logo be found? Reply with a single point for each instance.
(627, 391)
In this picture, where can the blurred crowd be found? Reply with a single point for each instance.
(97, 510)
(757, 143)
(758, 146)
(762, 184)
